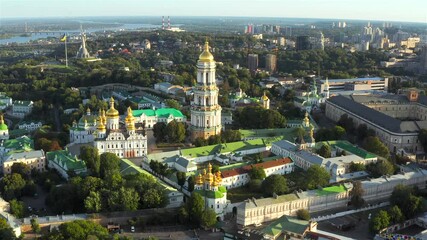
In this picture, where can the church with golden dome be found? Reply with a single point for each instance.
(209, 186)
(108, 134)
(205, 110)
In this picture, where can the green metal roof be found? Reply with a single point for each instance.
(64, 159)
(160, 113)
(21, 143)
(286, 224)
(210, 194)
(127, 167)
(3, 127)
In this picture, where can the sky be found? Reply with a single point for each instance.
(387, 10)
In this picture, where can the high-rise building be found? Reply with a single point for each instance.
(205, 110)
(253, 62)
(424, 59)
(282, 41)
(270, 63)
(288, 31)
(302, 43)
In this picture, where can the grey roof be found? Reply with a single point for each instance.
(354, 79)
(306, 155)
(20, 155)
(180, 161)
(374, 116)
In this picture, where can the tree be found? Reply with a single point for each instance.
(380, 221)
(172, 103)
(357, 167)
(77, 230)
(316, 176)
(274, 184)
(324, 151)
(152, 198)
(183, 215)
(255, 185)
(191, 183)
(35, 225)
(362, 131)
(181, 176)
(208, 218)
(6, 232)
(396, 215)
(11, 186)
(380, 168)
(91, 157)
(338, 132)
(159, 131)
(214, 139)
(231, 136)
(303, 214)
(195, 207)
(374, 145)
(404, 197)
(200, 142)
(110, 164)
(17, 208)
(93, 202)
(21, 168)
(356, 194)
(257, 173)
(175, 132)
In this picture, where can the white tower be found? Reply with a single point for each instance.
(326, 91)
(205, 111)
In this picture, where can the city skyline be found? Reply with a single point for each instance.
(381, 10)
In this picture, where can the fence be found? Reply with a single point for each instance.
(341, 214)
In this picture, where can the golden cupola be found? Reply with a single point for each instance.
(129, 116)
(264, 97)
(199, 179)
(104, 118)
(130, 120)
(218, 177)
(112, 112)
(209, 177)
(100, 126)
(206, 55)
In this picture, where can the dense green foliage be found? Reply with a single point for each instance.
(374, 145)
(356, 194)
(380, 168)
(274, 184)
(259, 118)
(77, 230)
(406, 199)
(324, 151)
(257, 173)
(379, 221)
(316, 177)
(303, 214)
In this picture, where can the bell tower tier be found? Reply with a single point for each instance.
(205, 111)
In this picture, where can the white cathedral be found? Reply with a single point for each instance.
(107, 134)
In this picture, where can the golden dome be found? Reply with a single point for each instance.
(209, 177)
(264, 97)
(218, 176)
(206, 56)
(88, 111)
(129, 116)
(199, 180)
(215, 182)
(101, 126)
(112, 112)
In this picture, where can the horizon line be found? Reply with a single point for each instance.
(204, 16)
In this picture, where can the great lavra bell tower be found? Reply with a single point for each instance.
(205, 111)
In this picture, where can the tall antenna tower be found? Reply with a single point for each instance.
(169, 22)
(163, 22)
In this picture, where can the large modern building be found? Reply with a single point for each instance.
(352, 85)
(271, 63)
(253, 62)
(205, 110)
(396, 119)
